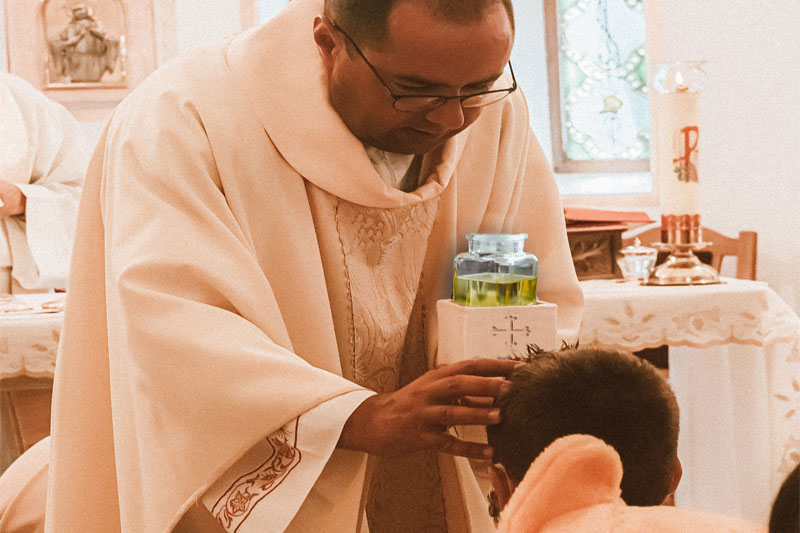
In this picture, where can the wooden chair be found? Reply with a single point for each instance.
(744, 248)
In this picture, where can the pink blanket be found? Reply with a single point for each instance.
(574, 485)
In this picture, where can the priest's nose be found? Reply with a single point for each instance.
(449, 116)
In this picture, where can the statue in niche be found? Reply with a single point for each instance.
(83, 51)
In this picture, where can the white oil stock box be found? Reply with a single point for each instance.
(500, 332)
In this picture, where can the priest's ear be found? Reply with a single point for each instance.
(327, 39)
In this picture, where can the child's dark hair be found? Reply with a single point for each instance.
(785, 514)
(614, 396)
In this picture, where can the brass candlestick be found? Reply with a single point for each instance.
(682, 267)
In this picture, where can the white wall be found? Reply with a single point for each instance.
(751, 118)
(204, 22)
(3, 51)
(185, 24)
(529, 58)
(266, 9)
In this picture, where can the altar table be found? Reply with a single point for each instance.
(734, 364)
(30, 327)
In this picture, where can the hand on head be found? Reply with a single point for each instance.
(417, 416)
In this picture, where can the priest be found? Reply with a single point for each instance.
(250, 333)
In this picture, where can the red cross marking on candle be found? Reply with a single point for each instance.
(685, 170)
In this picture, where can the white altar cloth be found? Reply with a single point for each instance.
(30, 327)
(734, 363)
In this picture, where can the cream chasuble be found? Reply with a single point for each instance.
(372, 261)
(43, 152)
(241, 274)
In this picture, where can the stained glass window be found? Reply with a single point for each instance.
(598, 73)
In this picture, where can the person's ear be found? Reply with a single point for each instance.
(325, 40)
(677, 473)
(502, 485)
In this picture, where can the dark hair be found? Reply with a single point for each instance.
(614, 396)
(366, 20)
(785, 515)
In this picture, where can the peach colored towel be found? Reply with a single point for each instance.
(23, 491)
(574, 485)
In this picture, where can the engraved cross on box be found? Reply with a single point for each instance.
(501, 332)
(510, 330)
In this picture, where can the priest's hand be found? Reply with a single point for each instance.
(417, 416)
(12, 200)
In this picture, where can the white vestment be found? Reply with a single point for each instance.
(234, 288)
(43, 152)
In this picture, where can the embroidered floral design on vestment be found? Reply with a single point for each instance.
(383, 251)
(236, 504)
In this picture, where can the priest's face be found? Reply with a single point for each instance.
(422, 55)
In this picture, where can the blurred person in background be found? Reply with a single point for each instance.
(43, 160)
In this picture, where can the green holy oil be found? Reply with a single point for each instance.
(491, 289)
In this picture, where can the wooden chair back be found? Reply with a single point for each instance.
(744, 248)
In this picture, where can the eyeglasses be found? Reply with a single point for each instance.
(429, 102)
